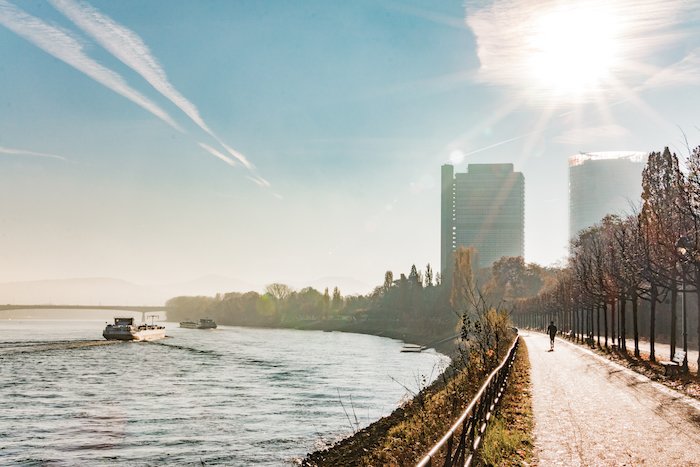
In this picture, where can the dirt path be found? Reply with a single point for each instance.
(591, 412)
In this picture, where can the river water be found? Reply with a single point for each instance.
(231, 396)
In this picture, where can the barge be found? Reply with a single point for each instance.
(124, 329)
(204, 323)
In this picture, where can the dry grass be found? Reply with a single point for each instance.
(404, 436)
(431, 416)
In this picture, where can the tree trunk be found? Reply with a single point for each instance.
(605, 322)
(597, 316)
(697, 288)
(674, 317)
(623, 323)
(652, 323)
(612, 321)
(635, 323)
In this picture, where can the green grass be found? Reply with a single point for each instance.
(508, 439)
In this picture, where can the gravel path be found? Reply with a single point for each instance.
(591, 412)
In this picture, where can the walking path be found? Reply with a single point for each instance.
(590, 412)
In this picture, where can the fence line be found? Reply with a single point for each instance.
(472, 423)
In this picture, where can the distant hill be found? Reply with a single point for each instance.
(109, 291)
(85, 291)
(212, 284)
(208, 285)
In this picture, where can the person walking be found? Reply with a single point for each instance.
(552, 331)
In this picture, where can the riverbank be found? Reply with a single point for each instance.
(404, 436)
(443, 339)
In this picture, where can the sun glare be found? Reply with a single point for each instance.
(573, 51)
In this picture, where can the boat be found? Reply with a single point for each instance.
(204, 323)
(124, 329)
(188, 324)
(412, 348)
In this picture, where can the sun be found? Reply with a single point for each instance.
(572, 51)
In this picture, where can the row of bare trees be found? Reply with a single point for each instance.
(652, 256)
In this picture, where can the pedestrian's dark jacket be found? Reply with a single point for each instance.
(552, 330)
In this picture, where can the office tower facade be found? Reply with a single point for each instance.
(484, 207)
(602, 183)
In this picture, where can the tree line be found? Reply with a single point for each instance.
(425, 300)
(415, 297)
(630, 276)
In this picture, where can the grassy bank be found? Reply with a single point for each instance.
(402, 438)
(508, 439)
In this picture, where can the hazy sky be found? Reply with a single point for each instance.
(162, 141)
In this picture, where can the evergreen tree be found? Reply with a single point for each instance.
(337, 300)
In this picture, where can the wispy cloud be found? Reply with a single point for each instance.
(125, 45)
(685, 71)
(29, 153)
(216, 153)
(237, 155)
(130, 49)
(592, 134)
(513, 37)
(61, 45)
(423, 13)
(260, 181)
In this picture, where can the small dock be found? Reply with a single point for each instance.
(53, 346)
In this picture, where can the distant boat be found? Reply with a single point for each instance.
(204, 323)
(188, 324)
(412, 348)
(124, 329)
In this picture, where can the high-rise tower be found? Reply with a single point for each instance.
(602, 183)
(484, 207)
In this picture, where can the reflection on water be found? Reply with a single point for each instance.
(231, 396)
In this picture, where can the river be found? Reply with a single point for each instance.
(230, 396)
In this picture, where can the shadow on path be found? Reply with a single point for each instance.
(589, 411)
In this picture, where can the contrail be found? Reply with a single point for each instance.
(259, 180)
(58, 43)
(130, 49)
(218, 154)
(504, 142)
(29, 153)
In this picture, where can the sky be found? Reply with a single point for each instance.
(163, 141)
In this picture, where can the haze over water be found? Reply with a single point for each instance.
(233, 396)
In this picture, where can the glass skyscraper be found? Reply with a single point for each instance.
(602, 183)
(484, 207)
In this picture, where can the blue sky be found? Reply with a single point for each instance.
(271, 141)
